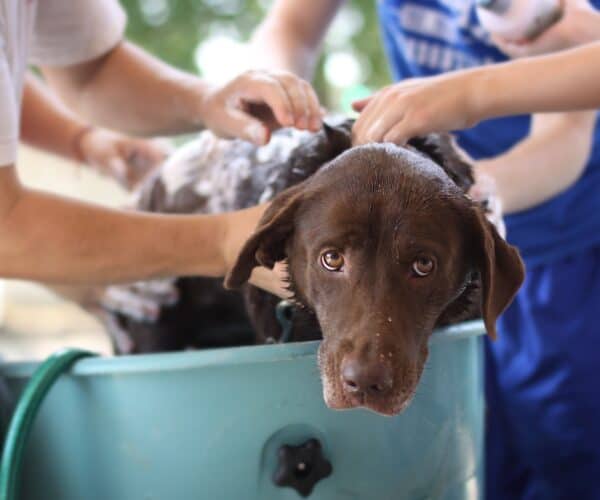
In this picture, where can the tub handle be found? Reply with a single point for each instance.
(301, 467)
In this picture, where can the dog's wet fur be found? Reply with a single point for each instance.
(416, 253)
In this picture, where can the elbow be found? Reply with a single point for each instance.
(569, 137)
(580, 140)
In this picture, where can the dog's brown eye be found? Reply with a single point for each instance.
(332, 260)
(423, 266)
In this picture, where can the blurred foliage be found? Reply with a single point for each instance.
(173, 29)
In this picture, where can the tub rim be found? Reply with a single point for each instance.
(183, 360)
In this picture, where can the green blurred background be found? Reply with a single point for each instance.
(207, 37)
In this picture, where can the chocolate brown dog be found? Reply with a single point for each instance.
(382, 246)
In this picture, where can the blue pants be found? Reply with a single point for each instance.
(543, 387)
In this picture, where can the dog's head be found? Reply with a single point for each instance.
(381, 243)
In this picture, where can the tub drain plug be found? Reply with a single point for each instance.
(301, 467)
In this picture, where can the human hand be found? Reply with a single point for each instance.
(127, 160)
(485, 192)
(579, 23)
(256, 103)
(237, 227)
(418, 106)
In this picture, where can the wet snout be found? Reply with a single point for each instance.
(366, 376)
(375, 371)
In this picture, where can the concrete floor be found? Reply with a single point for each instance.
(37, 323)
(33, 321)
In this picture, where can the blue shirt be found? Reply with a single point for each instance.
(428, 37)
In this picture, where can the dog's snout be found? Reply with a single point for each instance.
(371, 378)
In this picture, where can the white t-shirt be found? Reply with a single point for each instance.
(48, 33)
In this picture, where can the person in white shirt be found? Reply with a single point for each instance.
(80, 50)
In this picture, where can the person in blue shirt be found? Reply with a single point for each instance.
(543, 440)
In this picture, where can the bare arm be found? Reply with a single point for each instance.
(544, 164)
(56, 240)
(46, 123)
(565, 81)
(560, 82)
(290, 36)
(557, 148)
(131, 91)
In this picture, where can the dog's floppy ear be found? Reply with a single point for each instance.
(500, 267)
(267, 245)
(443, 150)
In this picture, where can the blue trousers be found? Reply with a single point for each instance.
(543, 387)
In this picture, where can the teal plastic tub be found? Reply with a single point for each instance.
(210, 425)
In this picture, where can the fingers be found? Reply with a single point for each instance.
(126, 300)
(397, 131)
(415, 107)
(292, 100)
(258, 102)
(125, 159)
(366, 120)
(297, 98)
(141, 157)
(400, 133)
(315, 119)
(378, 118)
(245, 126)
(262, 88)
(303, 99)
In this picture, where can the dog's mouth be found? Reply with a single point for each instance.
(390, 401)
(388, 407)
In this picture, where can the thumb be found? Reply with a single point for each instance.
(361, 104)
(239, 124)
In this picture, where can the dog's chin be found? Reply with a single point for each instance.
(390, 407)
(392, 404)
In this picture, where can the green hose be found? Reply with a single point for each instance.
(23, 417)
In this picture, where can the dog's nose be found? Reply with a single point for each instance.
(367, 377)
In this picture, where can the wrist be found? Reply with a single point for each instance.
(196, 107)
(236, 228)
